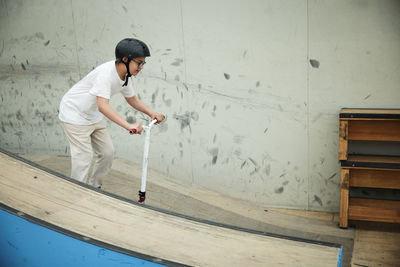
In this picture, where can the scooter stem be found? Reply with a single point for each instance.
(142, 192)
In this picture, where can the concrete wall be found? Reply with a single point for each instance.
(248, 114)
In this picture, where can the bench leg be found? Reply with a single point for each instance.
(344, 197)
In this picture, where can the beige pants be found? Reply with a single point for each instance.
(83, 140)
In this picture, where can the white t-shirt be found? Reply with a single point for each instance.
(79, 104)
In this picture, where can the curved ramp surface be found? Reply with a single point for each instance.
(24, 242)
(137, 229)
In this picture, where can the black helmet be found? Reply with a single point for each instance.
(131, 48)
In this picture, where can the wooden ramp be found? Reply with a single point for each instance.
(96, 216)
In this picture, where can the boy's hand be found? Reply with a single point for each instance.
(158, 117)
(135, 128)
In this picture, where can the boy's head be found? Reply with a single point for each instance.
(130, 49)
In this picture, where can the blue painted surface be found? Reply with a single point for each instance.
(340, 258)
(23, 244)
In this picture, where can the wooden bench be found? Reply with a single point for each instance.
(368, 171)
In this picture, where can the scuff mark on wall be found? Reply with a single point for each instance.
(3, 128)
(267, 170)
(71, 81)
(131, 119)
(314, 63)
(238, 139)
(2, 49)
(214, 110)
(253, 165)
(46, 117)
(177, 62)
(19, 133)
(19, 115)
(333, 175)
(154, 96)
(317, 117)
(194, 115)
(318, 200)
(167, 102)
(39, 35)
(279, 190)
(214, 154)
(186, 118)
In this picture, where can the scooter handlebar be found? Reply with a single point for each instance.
(152, 123)
(133, 131)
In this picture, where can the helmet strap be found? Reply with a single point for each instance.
(128, 74)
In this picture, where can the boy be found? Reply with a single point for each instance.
(83, 106)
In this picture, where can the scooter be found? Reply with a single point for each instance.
(142, 192)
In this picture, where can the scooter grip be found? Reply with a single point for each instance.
(133, 131)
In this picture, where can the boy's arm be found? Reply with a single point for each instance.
(105, 108)
(137, 104)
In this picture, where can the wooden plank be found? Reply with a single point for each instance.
(374, 130)
(375, 178)
(369, 111)
(375, 159)
(368, 119)
(374, 210)
(369, 114)
(344, 197)
(372, 162)
(368, 168)
(119, 223)
(343, 141)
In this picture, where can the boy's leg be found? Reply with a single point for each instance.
(104, 151)
(81, 149)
